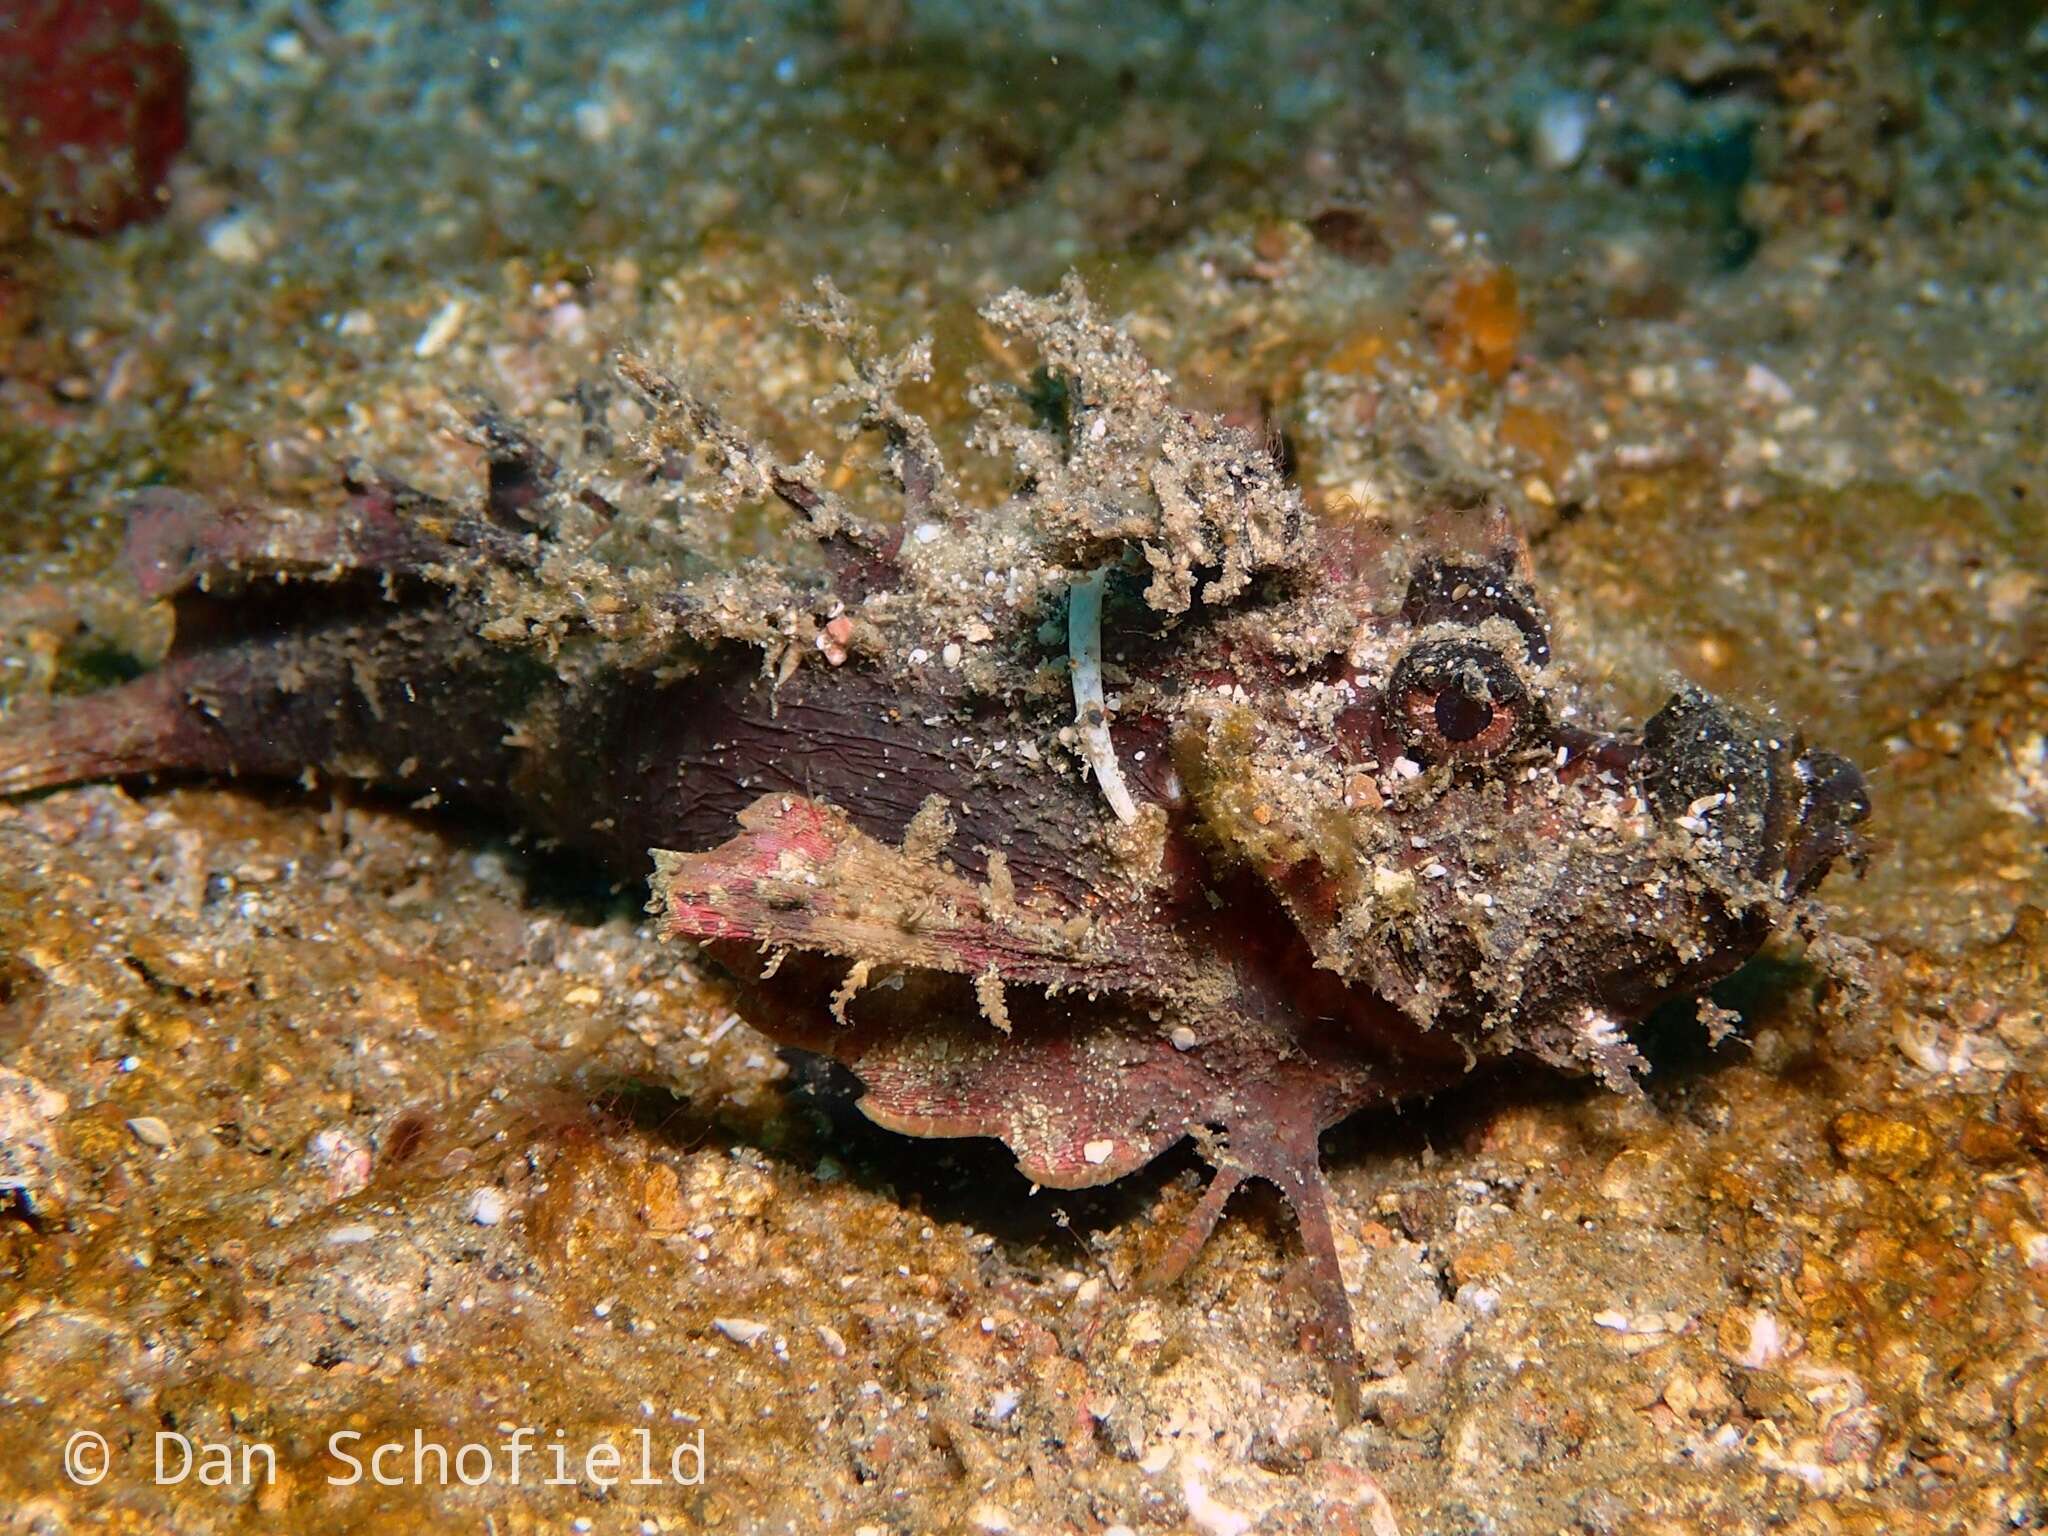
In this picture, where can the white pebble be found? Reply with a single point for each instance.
(441, 329)
(487, 1207)
(1210, 1515)
(240, 239)
(1562, 125)
(743, 1331)
(151, 1132)
(1483, 1299)
(1765, 1346)
(594, 121)
(1766, 385)
(2033, 1246)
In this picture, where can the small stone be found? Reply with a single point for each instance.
(343, 1162)
(441, 329)
(1753, 1340)
(743, 1331)
(2028, 1094)
(1483, 1299)
(1562, 126)
(1854, 1435)
(1766, 385)
(1362, 794)
(1681, 1395)
(1272, 243)
(240, 239)
(1207, 1513)
(1985, 1141)
(487, 1207)
(989, 1517)
(1643, 1183)
(2031, 1243)
(151, 1132)
(1182, 1037)
(951, 655)
(33, 1169)
(1894, 1148)
(661, 1200)
(1098, 1152)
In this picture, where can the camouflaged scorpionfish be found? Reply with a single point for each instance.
(1349, 832)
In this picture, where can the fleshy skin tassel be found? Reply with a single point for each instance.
(1091, 714)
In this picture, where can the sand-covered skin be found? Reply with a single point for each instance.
(333, 1116)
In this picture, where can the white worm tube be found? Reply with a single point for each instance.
(1091, 715)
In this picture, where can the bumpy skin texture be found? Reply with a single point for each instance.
(1377, 838)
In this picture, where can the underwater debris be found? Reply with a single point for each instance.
(1380, 844)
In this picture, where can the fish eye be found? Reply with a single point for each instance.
(1458, 699)
(1462, 714)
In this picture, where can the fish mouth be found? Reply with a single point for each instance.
(1834, 802)
(1774, 809)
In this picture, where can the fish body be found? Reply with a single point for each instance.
(1344, 829)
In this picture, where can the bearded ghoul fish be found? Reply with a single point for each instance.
(1135, 805)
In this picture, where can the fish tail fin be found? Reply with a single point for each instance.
(145, 726)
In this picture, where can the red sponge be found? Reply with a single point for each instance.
(94, 96)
